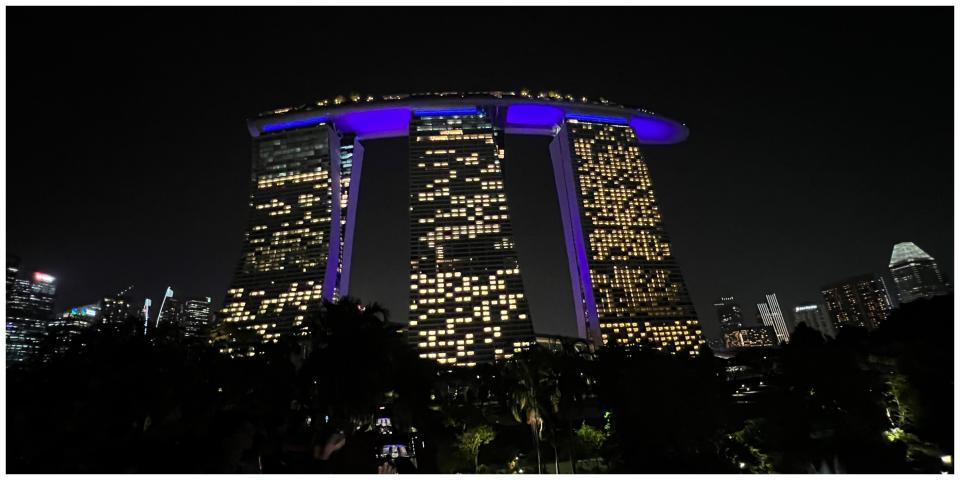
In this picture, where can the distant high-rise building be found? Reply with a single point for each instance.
(815, 315)
(915, 273)
(13, 269)
(750, 337)
(729, 314)
(772, 316)
(29, 309)
(65, 327)
(860, 301)
(196, 317)
(117, 309)
(170, 312)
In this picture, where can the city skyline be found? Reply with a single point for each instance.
(705, 184)
(455, 239)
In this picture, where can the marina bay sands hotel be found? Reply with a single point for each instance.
(466, 286)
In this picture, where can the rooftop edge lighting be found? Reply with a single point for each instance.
(534, 116)
(597, 118)
(526, 116)
(381, 122)
(657, 130)
(436, 112)
(300, 122)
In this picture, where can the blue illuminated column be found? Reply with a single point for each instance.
(346, 160)
(584, 305)
(351, 223)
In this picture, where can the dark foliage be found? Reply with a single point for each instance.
(118, 399)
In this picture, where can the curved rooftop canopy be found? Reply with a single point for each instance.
(523, 113)
(906, 252)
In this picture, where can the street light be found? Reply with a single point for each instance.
(743, 465)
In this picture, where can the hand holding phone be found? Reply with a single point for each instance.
(334, 442)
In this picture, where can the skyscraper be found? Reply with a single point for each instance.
(13, 270)
(750, 337)
(772, 316)
(170, 312)
(280, 276)
(815, 316)
(729, 314)
(621, 260)
(915, 273)
(117, 309)
(196, 317)
(467, 302)
(29, 309)
(860, 301)
(67, 326)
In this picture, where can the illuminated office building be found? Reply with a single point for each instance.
(860, 301)
(29, 310)
(467, 301)
(772, 316)
(915, 273)
(750, 337)
(170, 312)
(195, 317)
(729, 314)
(67, 326)
(815, 316)
(13, 269)
(466, 295)
(117, 309)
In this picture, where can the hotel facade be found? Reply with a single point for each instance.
(467, 303)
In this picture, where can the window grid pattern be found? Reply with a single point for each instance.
(467, 304)
(346, 169)
(280, 276)
(639, 292)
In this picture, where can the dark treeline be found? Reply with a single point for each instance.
(118, 400)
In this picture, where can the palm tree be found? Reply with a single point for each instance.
(570, 374)
(534, 394)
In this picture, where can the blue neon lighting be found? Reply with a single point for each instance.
(597, 118)
(375, 123)
(527, 115)
(446, 111)
(655, 130)
(303, 122)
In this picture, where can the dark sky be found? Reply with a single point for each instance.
(819, 136)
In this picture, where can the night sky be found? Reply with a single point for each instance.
(819, 136)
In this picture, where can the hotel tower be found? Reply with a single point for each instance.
(467, 303)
